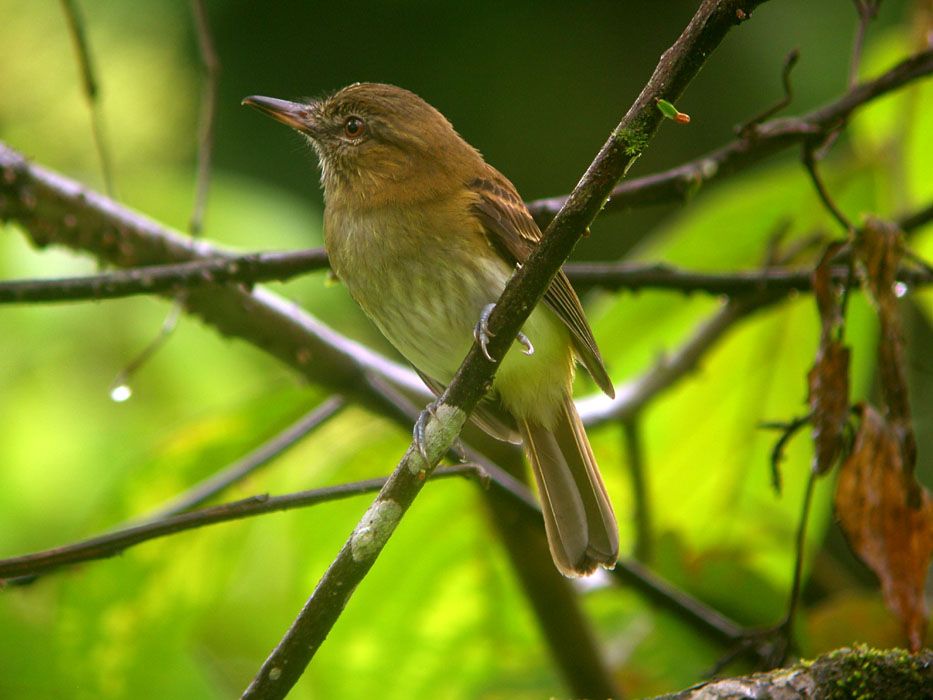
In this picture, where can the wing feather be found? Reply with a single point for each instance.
(513, 232)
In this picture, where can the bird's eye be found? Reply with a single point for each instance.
(354, 127)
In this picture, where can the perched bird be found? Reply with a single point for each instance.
(425, 234)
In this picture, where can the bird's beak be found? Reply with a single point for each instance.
(294, 114)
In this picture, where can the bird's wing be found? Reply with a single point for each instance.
(514, 234)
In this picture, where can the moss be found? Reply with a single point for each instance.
(632, 140)
(863, 673)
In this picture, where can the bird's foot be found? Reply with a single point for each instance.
(419, 433)
(482, 334)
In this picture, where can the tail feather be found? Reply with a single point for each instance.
(578, 517)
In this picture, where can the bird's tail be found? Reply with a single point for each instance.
(581, 527)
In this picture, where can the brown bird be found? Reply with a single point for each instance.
(425, 234)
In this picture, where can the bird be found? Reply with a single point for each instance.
(425, 235)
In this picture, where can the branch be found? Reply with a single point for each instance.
(166, 279)
(680, 183)
(845, 673)
(55, 209)
(677, 67)
(634, 276)
(262, 267)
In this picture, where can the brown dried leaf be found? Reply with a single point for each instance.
(827, 300)
(829, 403)
(888, 519)
(828, 380)
(878, 250)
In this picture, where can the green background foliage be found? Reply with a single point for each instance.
(537, 87)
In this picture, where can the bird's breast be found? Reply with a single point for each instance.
(422, 275)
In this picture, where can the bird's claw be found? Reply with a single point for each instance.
(419, 432)
(523, 339)
(482, 334)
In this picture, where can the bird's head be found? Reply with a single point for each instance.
(377, 141)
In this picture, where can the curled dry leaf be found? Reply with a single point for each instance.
(888, 519)
(829, 403)
(828, 380)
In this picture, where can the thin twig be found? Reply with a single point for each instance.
(635, 457)
(632, 573)
(772, 644)
(90, 89)
(635, 276)
(800, 544)
(788, 430)
(809, 162)
(251, 463)
(105, 546)
(867, 11)
(790, 60)
(211, 66)
(120, 388)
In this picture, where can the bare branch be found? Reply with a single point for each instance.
(809, 162)
(633, 277)
(261, 267)
(166, 279)
(635, 574)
